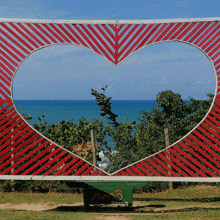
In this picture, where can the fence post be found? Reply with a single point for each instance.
(12, 162)
(167, 144)
(93, 147)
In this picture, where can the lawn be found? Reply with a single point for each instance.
(200, 202)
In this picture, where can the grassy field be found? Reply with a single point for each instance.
(200, 202)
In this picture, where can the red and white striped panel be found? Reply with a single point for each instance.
(25, 152)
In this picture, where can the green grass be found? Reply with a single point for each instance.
(200, 202)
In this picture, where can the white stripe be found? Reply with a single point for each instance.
(110, 178)
(109, 21)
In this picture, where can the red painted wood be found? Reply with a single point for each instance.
(17, 38)
(77, 173)
(136, 170)
(168, 161)
(109, 32)
(189, 27)
(177, 162)
(122, 34)
(149, 168)
(123, 173)
(50, 29)
(130, 172)
(11, 53)
(9, 45)
(183, 160)
(73, 168)
(143, 169)
(31, 35)
(192, 160)
(30, 161)
(73, 39)
(87, 171)
(164, 32)
(34, 28)
(194, 31)
(172, 31)
(149, 160)
(25, 36)
(9, 59)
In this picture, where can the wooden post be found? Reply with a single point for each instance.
(93, 147)
(12, 162)
(167, 144)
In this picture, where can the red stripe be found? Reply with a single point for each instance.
(131, 41)
(15, 150)
(53, 160)
(68, 34)
(10, 52)
(109, 32)
(33, 159)
(9, 142)
(186, 30)
(5, 108)
(211, 130)
(102, 174)
(160, 30)
(21, 153)
(8, 122)
(25, 36)
(42, 160)
(76, 35)
(95, 172)
(96, 43)
(136, 170)
(143, 170)
(172, 31)
(6, 113)
(217, 62)
(8, 58)
(123, 173)
(117, 174)
(105, 35)
(66, 166)
(212, 42)
(164, 32)
(3, 73)
(13, 49)
(30, 34)
(48, 27)
(130, 172)
(214, 51)
(87, 171)
(124, 31)
(194, 31)
(81, 169)
(60, 33)
(211, 137)
(46, 33)
(9, 138)
(17, 37)
(36, 31)
(5, 89)
(165, 166)
(209, 35)
(157, 167)
(7, 64)
(6, 70)
(58, 164)
(100, 39)
(168, 161)
(87, 39)
(179, 31)
(192, 161)
(48, 157)
(5, 81)
(178, 163)
(120, 27)
(199, 157)
(208, 149)
(199, 32)
(73, 168)
(212, 125)
(205, 33)
(183, 160)
(215, 56)
(149, 168)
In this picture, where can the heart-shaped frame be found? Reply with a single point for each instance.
(27, 154)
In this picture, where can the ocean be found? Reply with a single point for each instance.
(59, 110)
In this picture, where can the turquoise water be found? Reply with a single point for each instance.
(58, 110)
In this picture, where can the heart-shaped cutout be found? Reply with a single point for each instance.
(50, 61)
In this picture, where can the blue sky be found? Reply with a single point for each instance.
(69, 72)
